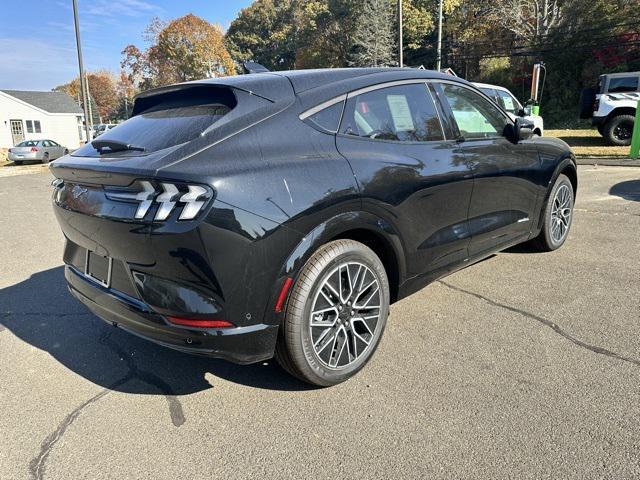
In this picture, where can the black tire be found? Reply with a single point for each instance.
(617, 130)
(297, 348)
(547, 241)
(45, 158)
(66, 152)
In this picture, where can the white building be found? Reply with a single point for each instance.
(27, 115)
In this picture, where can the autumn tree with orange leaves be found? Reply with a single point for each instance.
(103, 91)
(187, 48)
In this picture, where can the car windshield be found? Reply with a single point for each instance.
(28, 143)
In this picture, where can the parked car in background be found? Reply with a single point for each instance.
(612, 106)
(510, 104)
(282, 213)
(36, 150)
(101, 128)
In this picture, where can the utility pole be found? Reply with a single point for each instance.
(83, 80)
(439, 53)
(400, 59)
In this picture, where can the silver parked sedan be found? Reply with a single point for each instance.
(36, 150)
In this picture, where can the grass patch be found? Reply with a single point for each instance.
(588, 143)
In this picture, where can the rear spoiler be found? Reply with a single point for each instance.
(266, 85)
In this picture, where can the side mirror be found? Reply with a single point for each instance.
(523, 129)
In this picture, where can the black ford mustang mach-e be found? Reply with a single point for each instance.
(281, 213)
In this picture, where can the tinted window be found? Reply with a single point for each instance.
(403, 113)
(490, 92)
(28, 143)
(328, 118)
(508, 102)
(623, 84)
(161, 128)
(475, 116)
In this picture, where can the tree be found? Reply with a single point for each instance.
(265, 32)
(529, 19)
(102, 88)
(187, 48)
(374, 40)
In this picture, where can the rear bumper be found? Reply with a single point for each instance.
(244, 345)
(23, 156)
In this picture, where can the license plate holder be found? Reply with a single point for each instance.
(98, 268)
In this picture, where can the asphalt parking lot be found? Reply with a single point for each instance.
(526, 365)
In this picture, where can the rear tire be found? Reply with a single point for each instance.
(618, 130)
(345, 286)
(558, 216)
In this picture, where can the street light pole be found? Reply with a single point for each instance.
(400, 59)
(83, 80)
(439, 54)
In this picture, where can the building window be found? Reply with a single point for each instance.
(29, 126)
(37, 126)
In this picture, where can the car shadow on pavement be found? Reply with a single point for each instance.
(629, 190)
(41, 312)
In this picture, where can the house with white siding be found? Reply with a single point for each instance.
(30, 115)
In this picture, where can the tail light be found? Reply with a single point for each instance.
(189, 199)
(200, 323)
(34, 149)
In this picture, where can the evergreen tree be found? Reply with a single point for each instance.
(374, 39)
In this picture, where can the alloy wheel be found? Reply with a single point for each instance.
(623, 131)
(345, 314)
(561, 213)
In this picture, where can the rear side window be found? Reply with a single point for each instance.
(173, 119)
(404, 113)
(623, 84)
(328, 118)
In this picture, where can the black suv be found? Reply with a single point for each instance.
(281, 213)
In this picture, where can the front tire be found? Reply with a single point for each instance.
(558, 216)
(45, 158)
(618, 130)
(336, 314)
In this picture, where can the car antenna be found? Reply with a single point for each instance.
(253, 67)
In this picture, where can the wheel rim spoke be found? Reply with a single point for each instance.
(345, 314)
(561, 211)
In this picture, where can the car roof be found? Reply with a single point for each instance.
(621, 74)
(488, 85)
(278, 85)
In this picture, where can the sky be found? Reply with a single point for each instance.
(37, 40)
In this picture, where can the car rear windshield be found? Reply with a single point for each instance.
(28, 143)
(172, 120)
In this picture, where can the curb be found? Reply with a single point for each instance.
(608, 162)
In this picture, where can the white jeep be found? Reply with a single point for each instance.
(612, 106)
